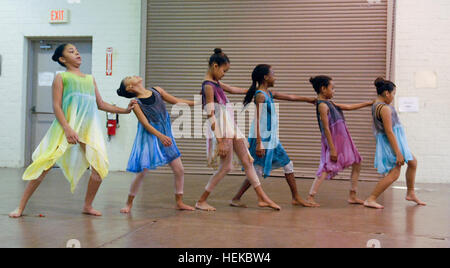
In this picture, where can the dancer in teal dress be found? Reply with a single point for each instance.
(265, 146)
(392, 150)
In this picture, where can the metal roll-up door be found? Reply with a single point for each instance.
(345, 39)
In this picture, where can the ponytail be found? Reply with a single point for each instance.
(250, 93)
(258, 74)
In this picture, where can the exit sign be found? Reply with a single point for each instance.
(59, 16)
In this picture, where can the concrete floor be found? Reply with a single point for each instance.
(154, 222)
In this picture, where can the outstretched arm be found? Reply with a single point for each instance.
(350, 107)
(233, 90)
(288, 97)
(104, 106)
(143, 120)
(172, 99)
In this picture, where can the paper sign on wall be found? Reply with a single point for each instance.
(45, 79)
(408, 104)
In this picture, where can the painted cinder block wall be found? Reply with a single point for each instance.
(110, 23)
(423, 46)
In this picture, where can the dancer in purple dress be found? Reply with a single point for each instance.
(338, 150)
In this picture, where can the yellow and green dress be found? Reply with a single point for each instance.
(80, 110)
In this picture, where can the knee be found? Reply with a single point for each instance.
(396, 175)
(96, 177)
(179, 171)
(227, 168)
(395, 178)
(412, 163)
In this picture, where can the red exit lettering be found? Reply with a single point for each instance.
(57, 15)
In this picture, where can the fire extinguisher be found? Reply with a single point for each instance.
(112, 123)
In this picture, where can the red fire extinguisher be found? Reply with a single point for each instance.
(112, 123)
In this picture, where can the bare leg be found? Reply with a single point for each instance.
(296, 198)
(353, 199)
(29, 190)
(410, 181)
(94, 183)
(315, 187)
(134, 188)
(242, 152)
(382, 185)
(236, 201)
(225, 167)
(178, 172)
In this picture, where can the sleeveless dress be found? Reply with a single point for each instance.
(275, 156)
(385, 158)
(148, 151)
(343, 142)
(225, 126)
(80, 110)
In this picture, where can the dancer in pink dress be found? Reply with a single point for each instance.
(338, 150)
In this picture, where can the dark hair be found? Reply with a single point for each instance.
(320, 81)
(122, 91)
(218, 57)
(58, 54)
(383, 85)
(258, 78)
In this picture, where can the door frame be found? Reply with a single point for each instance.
(28, 75)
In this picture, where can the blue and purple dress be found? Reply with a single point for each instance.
(343, 142)
(148, 151)
(385, 158)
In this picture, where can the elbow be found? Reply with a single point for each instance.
(100, 105)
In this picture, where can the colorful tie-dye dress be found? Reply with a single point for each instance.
(80, 110)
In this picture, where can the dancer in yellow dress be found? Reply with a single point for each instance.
(75, 140)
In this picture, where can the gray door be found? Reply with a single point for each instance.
(43, 70)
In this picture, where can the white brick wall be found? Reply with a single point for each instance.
(111, 23)
(423, 44)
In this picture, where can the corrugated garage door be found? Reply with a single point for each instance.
(345, 39)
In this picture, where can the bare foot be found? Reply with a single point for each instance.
(355, 201)
(268, 204)
(237, 204)
(16, 214)
(91, 211)
(298, 201)
(412, 197)
(204, 206)
(372, 204)
(311, 200)
(183, 206)
(126, 209)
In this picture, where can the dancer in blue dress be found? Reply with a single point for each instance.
(154, 145)
(392, 150)
(265, 146)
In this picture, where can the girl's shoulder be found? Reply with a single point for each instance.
(323, 103)
(209, 82)
(260, 96)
